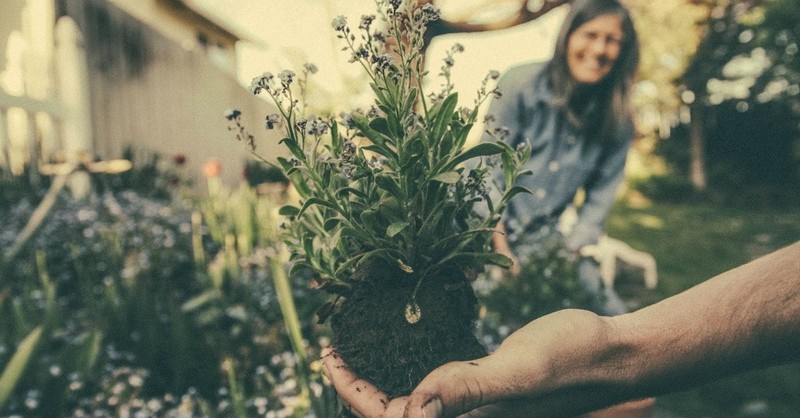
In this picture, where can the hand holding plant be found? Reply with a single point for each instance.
(395, 212)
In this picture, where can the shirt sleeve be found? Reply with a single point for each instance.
(601, 192)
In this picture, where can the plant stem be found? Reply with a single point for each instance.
(290, 318)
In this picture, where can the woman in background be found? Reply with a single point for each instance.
(574, 112)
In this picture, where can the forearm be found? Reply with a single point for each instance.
(745, 318)
(572, 361)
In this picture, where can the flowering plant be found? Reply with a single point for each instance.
(388, 183)
(396, 211)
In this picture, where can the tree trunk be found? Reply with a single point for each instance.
(697, 164)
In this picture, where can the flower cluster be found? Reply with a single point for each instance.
(398, 182)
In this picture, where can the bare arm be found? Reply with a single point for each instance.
(572, 362)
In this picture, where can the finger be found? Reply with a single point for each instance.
(350, 412)
(450, 390)
(363, 397)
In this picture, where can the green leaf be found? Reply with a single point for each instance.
(382, 150)
(295, 149)
(513, 192)
(481, 150)
(284, 163)
(331, 223)
(370, 219)
(395, 129)
(381, 125)
(395, 228)
(349, 190)
(19, 361)
(336, 140)
(289, 210)
(450, 177)
(316, 201)
(354, 233)
(363, 125)
(410, 100)
(387, 183)
(490, 257)
(308, 248)
(372, 254)
(378, 92)
(458, 240)
(461, 137)
(443, 117)
(298, 266)
(200, 300)
(405, 267)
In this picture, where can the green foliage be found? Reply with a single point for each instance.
(547, 282)
(665, 188)
(137, 304)
(16, 365)
(391, 183)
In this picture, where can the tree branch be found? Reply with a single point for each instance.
(523, 15)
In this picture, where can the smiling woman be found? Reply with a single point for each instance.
(593, 48)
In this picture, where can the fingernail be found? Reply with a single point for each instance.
(432, 409)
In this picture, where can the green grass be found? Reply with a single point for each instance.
(694, 242)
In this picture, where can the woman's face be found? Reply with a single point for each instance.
(593, 48)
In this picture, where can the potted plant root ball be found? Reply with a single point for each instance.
(395, 215)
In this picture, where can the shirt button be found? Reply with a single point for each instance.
(541, 193)
(553, 166)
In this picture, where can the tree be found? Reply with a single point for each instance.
(749, 58)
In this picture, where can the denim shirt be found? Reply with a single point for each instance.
(562, 161)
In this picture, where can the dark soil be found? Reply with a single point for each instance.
(373, 337)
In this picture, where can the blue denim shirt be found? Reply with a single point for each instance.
(562, 161)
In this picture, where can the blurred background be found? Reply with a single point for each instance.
(141, 270)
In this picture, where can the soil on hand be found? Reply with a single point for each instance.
(374, 338)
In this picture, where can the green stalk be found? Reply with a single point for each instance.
(237, 397)
(16, 366)
(290, 318)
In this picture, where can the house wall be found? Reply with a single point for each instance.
(185, 28)
(150, 93)
(10, 11)
(145, 92)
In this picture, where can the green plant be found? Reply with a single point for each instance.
(392, 200)
(143, 308)
(389, 183)
(547, 281)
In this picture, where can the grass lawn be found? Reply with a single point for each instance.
(695, 241)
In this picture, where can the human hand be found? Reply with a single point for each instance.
(529, 375)
(359, 397)
(501, 246)
(520, 379)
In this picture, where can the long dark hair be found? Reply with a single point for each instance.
(600, 110)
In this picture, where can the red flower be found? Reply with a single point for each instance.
(179, 159)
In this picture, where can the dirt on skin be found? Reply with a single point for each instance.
(374, 338)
